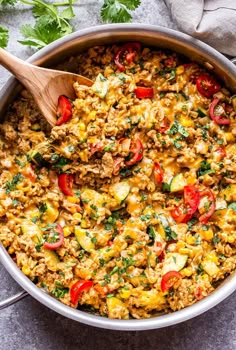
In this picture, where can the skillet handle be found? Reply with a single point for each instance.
(233, 60)
(12, 300)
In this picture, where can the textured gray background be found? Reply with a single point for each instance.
(30, 326)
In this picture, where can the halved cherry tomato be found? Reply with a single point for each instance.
(136, 152)
(219, 154)
(181, 215)
(211, 198)
(65, 182)
(169, 279)
(206, 85)
(64, 110)
(191, 197)
(54, 233)
(77, 288)
(219, 116)
(143, 92)
(158, 172)
(96, 147)
(165, 124)
(129, 52)
(116, 165)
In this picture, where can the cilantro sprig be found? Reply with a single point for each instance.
(118, 11)
(52, 23)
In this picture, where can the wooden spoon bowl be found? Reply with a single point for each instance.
(45, 85)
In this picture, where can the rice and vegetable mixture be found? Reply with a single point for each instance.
(126, 207)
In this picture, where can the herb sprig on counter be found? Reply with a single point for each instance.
(52, 23)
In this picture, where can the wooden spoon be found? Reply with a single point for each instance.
(45, 85)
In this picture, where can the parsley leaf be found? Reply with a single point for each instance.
(117, 11)
(3, 37)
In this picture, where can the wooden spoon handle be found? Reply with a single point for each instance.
(14, 64)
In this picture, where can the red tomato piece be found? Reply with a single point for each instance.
(128, 51)
(143, 92)
(31, 173)
(159, 248)
(116, 165)
(97, 147)
(198, 293)
(100, 289)
(65, 182)
(191, 197)
(219, 153)
(181, 215)
(212, 205)
(218, 116)
(136, 152)
(207, 86)
(57, 233)
(64, 110)
(189, 65)
(77, 288)
(169, 279)
(158, 173)
(165, 124)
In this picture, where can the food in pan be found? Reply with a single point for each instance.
(126, 208)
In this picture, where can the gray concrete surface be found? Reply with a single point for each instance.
(28, 325)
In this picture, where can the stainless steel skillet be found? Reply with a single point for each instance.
(72, 45)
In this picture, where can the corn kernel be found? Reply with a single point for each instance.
(92, 115)
(84, 156)
(186, 121)
(212, 257)
(82, 126)
(11, 250)
(179, 70)
(72, 199)
(125, 294)
(67, 231)
(84, 223)
(229, 137)
(26, 270)
(77, 216)
(187, 272)
(185, 251)
(180, 244)
(190, 240)
(207, 235)
(231, 239)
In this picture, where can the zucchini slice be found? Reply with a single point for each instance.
(120, 191)
(177, 183)
(201, 112)
(174, 262)
(37, 158)
(33, 231)
(100, 87)
(83, 239)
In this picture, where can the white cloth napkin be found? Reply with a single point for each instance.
(212, 21)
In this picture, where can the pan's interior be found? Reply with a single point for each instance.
(104, 35)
